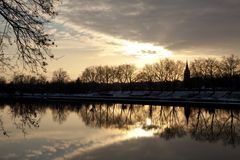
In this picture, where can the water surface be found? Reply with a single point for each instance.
(117, 131)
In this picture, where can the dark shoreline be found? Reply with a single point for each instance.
(188, 102)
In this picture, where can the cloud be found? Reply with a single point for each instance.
(148, 52)
(183, 25)
(34, 153)
(10, 156)
(49, 149)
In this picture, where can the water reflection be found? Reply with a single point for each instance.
(203, 124)
(168, 122)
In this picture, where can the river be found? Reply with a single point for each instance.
(104, 131)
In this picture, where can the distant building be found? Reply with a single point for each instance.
(186, 77)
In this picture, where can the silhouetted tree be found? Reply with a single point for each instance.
(24, 27)
(60, 76)
(168, 70)
(230, 65)
(125, 73)
(146, 74)
(2, 80)
(18, 78)
(88, 75)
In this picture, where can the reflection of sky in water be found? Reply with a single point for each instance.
(65, 131)
(52, 140)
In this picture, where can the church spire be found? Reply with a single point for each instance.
(186, 68)
(186, 74)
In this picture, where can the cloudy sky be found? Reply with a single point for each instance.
(99, 32)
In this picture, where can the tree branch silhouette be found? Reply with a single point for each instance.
(25, 29)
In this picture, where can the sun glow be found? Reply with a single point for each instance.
(139, 132)
(145, 52)
(148, 121)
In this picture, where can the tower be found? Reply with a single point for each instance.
(186, 77)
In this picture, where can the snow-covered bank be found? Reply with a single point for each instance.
(153, 97)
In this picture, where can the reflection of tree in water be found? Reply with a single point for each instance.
(172, 122)
(214, 125)
(111, 115)
(123, 116)
(60, 112)
(26, 116)
(23, 116)
(2, 129)
(166, 121)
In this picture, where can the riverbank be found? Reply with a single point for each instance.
(142, 97)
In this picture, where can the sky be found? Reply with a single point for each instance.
(112, 32)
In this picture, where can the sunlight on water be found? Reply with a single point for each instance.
(139, 132)
(148, 121)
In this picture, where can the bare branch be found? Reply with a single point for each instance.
(25, 22)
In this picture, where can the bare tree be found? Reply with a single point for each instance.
(112, 72)
(42, 79)
(89, 75)
(60, 76)
(119, 74)
(146, 74)
(206, 68)
(28, 79)
(100, 74)
(127, 72)
(159, 73)
(197, 68)
(3, 80)
(168, 70)
(231, 65)
(24, 27)
(178, 70)
(109, 74)
(18, 79)
(212, 67)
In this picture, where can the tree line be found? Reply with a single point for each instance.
(166, 74)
